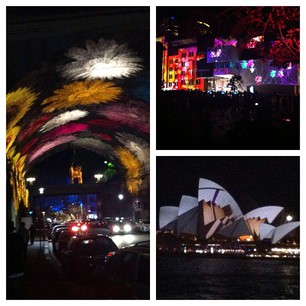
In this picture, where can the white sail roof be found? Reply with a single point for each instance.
(266, 231)
(211, 191)
(235, 229)
(188, 215)
(283, 230)
(269, 212)
(167, 214)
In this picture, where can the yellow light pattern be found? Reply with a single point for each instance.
(82, 93)
(133, 169)
(17, 104)
(11, 134)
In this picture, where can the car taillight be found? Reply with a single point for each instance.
(75, 228)
(110, 254)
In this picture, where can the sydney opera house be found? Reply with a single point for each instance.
(214, 214)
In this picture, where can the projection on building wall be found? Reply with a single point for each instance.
(258, 72)
(222, 54)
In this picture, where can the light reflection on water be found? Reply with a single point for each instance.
(226, 278)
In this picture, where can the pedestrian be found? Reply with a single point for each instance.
(24, 232)
(32, 231)
(14, 262)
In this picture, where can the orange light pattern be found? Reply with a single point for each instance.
(133, 169)
(82, 93)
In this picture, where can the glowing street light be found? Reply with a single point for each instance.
(31, 180)
(41, 190)
(98, 177)
(289, 218)
(120, 196)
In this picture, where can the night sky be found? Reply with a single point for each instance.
(252, 181)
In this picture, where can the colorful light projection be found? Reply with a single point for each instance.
(105, 60)
(134, 170)
(134, 114)
(63, 118)
(80, 114)
(82, 93)
(257, 72)
(223, 53)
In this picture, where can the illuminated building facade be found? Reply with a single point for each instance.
(179, 71)
(187, 66)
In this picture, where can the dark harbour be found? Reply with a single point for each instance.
(182, 277)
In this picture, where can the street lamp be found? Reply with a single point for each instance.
(289, 218)
(98, 177)
(120, 196)
(30, 180)
(41, 190)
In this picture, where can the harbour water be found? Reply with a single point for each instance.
(180, 277)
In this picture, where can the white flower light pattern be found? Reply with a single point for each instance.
(62, 119)
(105, 60)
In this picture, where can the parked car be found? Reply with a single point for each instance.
(128, 272)
(55, 235)
(86, 253)
(61, 240)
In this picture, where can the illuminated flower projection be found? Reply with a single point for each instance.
(133, 169)
(50, 145)
(137, 146)
(215, 213)
(18, 103)
(94, 145)
(105, 60)
(82, 93)
(63, 118)
(91, 114)
(137, 115)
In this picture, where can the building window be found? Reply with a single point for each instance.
(176, 69)
(170, 76)
(183, 64)
(176, 60)
(175, 76)
(198, 81)
(184, 54)
(183, 72)
(191, 54)
(171, 69)
(171, 61)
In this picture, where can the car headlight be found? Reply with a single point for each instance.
(116, 228)
(127, 228)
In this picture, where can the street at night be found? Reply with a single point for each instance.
(44, 277)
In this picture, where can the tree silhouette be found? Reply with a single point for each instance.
(280, 27)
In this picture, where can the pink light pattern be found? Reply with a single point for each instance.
(50, 145)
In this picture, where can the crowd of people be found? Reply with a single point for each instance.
(220, 120)
(16, 255)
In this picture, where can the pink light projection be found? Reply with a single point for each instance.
(50, 145)
(133, 116)
(32, 127)
(66, 130)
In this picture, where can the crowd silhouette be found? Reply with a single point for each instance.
(219, 120)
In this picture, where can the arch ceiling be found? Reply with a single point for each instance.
(81, 101)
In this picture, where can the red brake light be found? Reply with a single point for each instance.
(110, 254)
(74, 228)
(84, 227)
